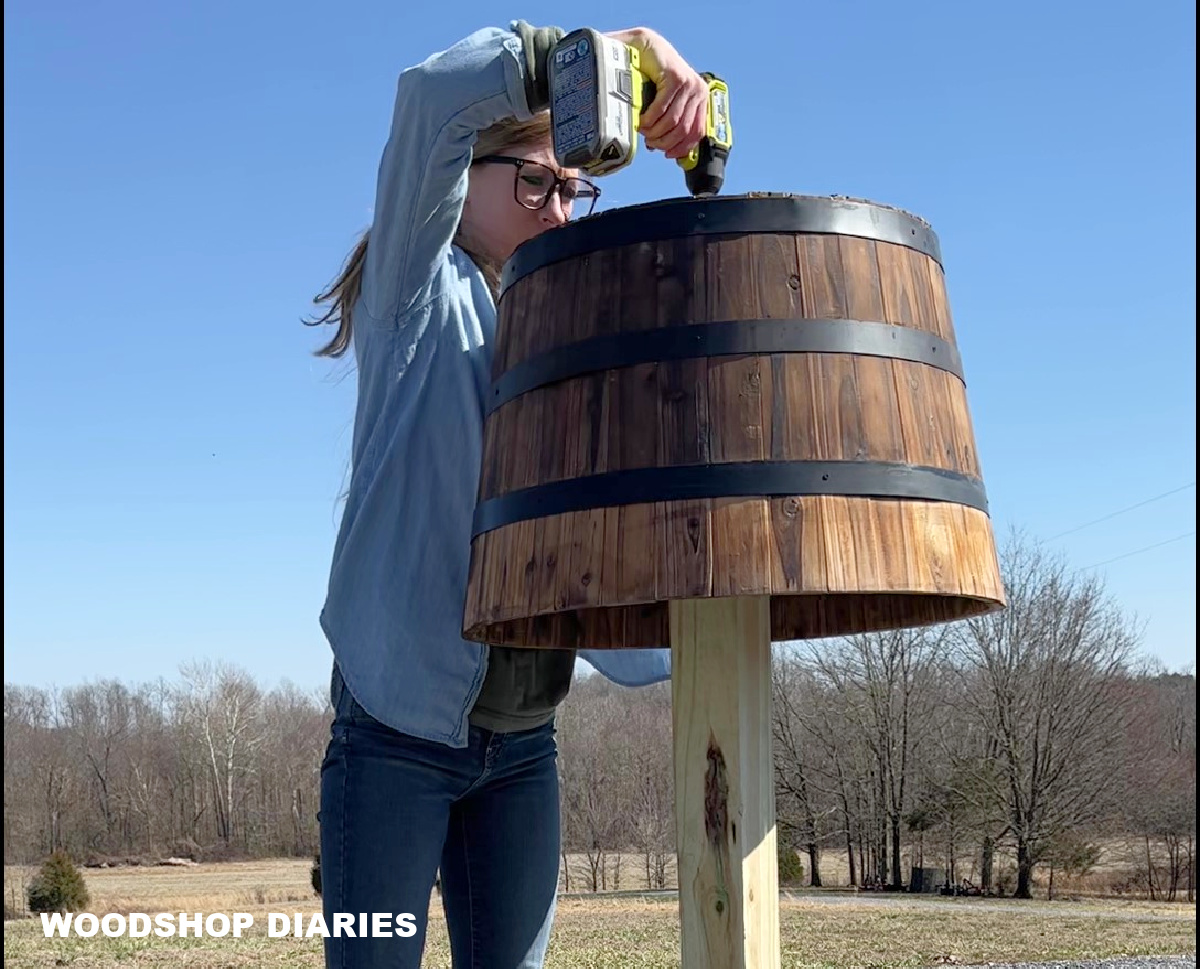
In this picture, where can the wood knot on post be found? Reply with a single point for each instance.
(716, 795)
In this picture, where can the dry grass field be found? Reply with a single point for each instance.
(818, 930)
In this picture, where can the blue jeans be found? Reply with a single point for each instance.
(395, 809)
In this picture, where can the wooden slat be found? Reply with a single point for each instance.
(683, 560)
(880, 410)
(824, 279)
(473, 607)
(916, 266)
(777, 276)
(740, 526)
(490, 465)
(864, 293)
(548, 555)
(610, 564)
(832, 401)
(941, 304)
(586, 562)
(899, 300)
(633, 427)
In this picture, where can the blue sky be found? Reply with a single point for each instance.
(180, 179)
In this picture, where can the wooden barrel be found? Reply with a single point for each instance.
(738, 396)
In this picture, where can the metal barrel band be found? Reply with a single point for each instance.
(731, 215)
(746, 479)
(692, 340)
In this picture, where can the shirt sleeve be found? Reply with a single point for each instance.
(441, 105)
(630, 667)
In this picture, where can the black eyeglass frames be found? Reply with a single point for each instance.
(534, 183)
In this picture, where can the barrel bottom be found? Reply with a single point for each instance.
(833, 566)
(810, 616)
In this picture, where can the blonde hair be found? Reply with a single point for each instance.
(344, 291)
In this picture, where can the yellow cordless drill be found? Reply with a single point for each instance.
(597, 93)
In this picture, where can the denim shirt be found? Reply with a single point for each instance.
(424, 329)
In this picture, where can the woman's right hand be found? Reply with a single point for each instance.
(676, 120)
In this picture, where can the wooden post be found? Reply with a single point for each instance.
(724, 791)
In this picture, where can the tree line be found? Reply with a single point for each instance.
(988, 749)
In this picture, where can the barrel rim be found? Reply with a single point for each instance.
(727, 215)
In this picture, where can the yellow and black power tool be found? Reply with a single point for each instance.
(597, 93)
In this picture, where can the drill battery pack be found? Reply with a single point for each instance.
(596, 96)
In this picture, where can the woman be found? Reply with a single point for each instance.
(442, 752)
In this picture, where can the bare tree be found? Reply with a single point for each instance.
(798, 808)
(1046, 671)
(884, 683)
(963, 792)
(151, 769)
(54, 772)
(651, 794)
(21, 807)
(222, 706)
(1159, 778)
(590, 779)
(294, 731)
(97, 718)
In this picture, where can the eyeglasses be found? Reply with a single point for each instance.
(534, 183)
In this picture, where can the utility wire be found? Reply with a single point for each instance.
(1138, 551)
(1072, 531)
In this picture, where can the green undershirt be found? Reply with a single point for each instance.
(522, 688)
